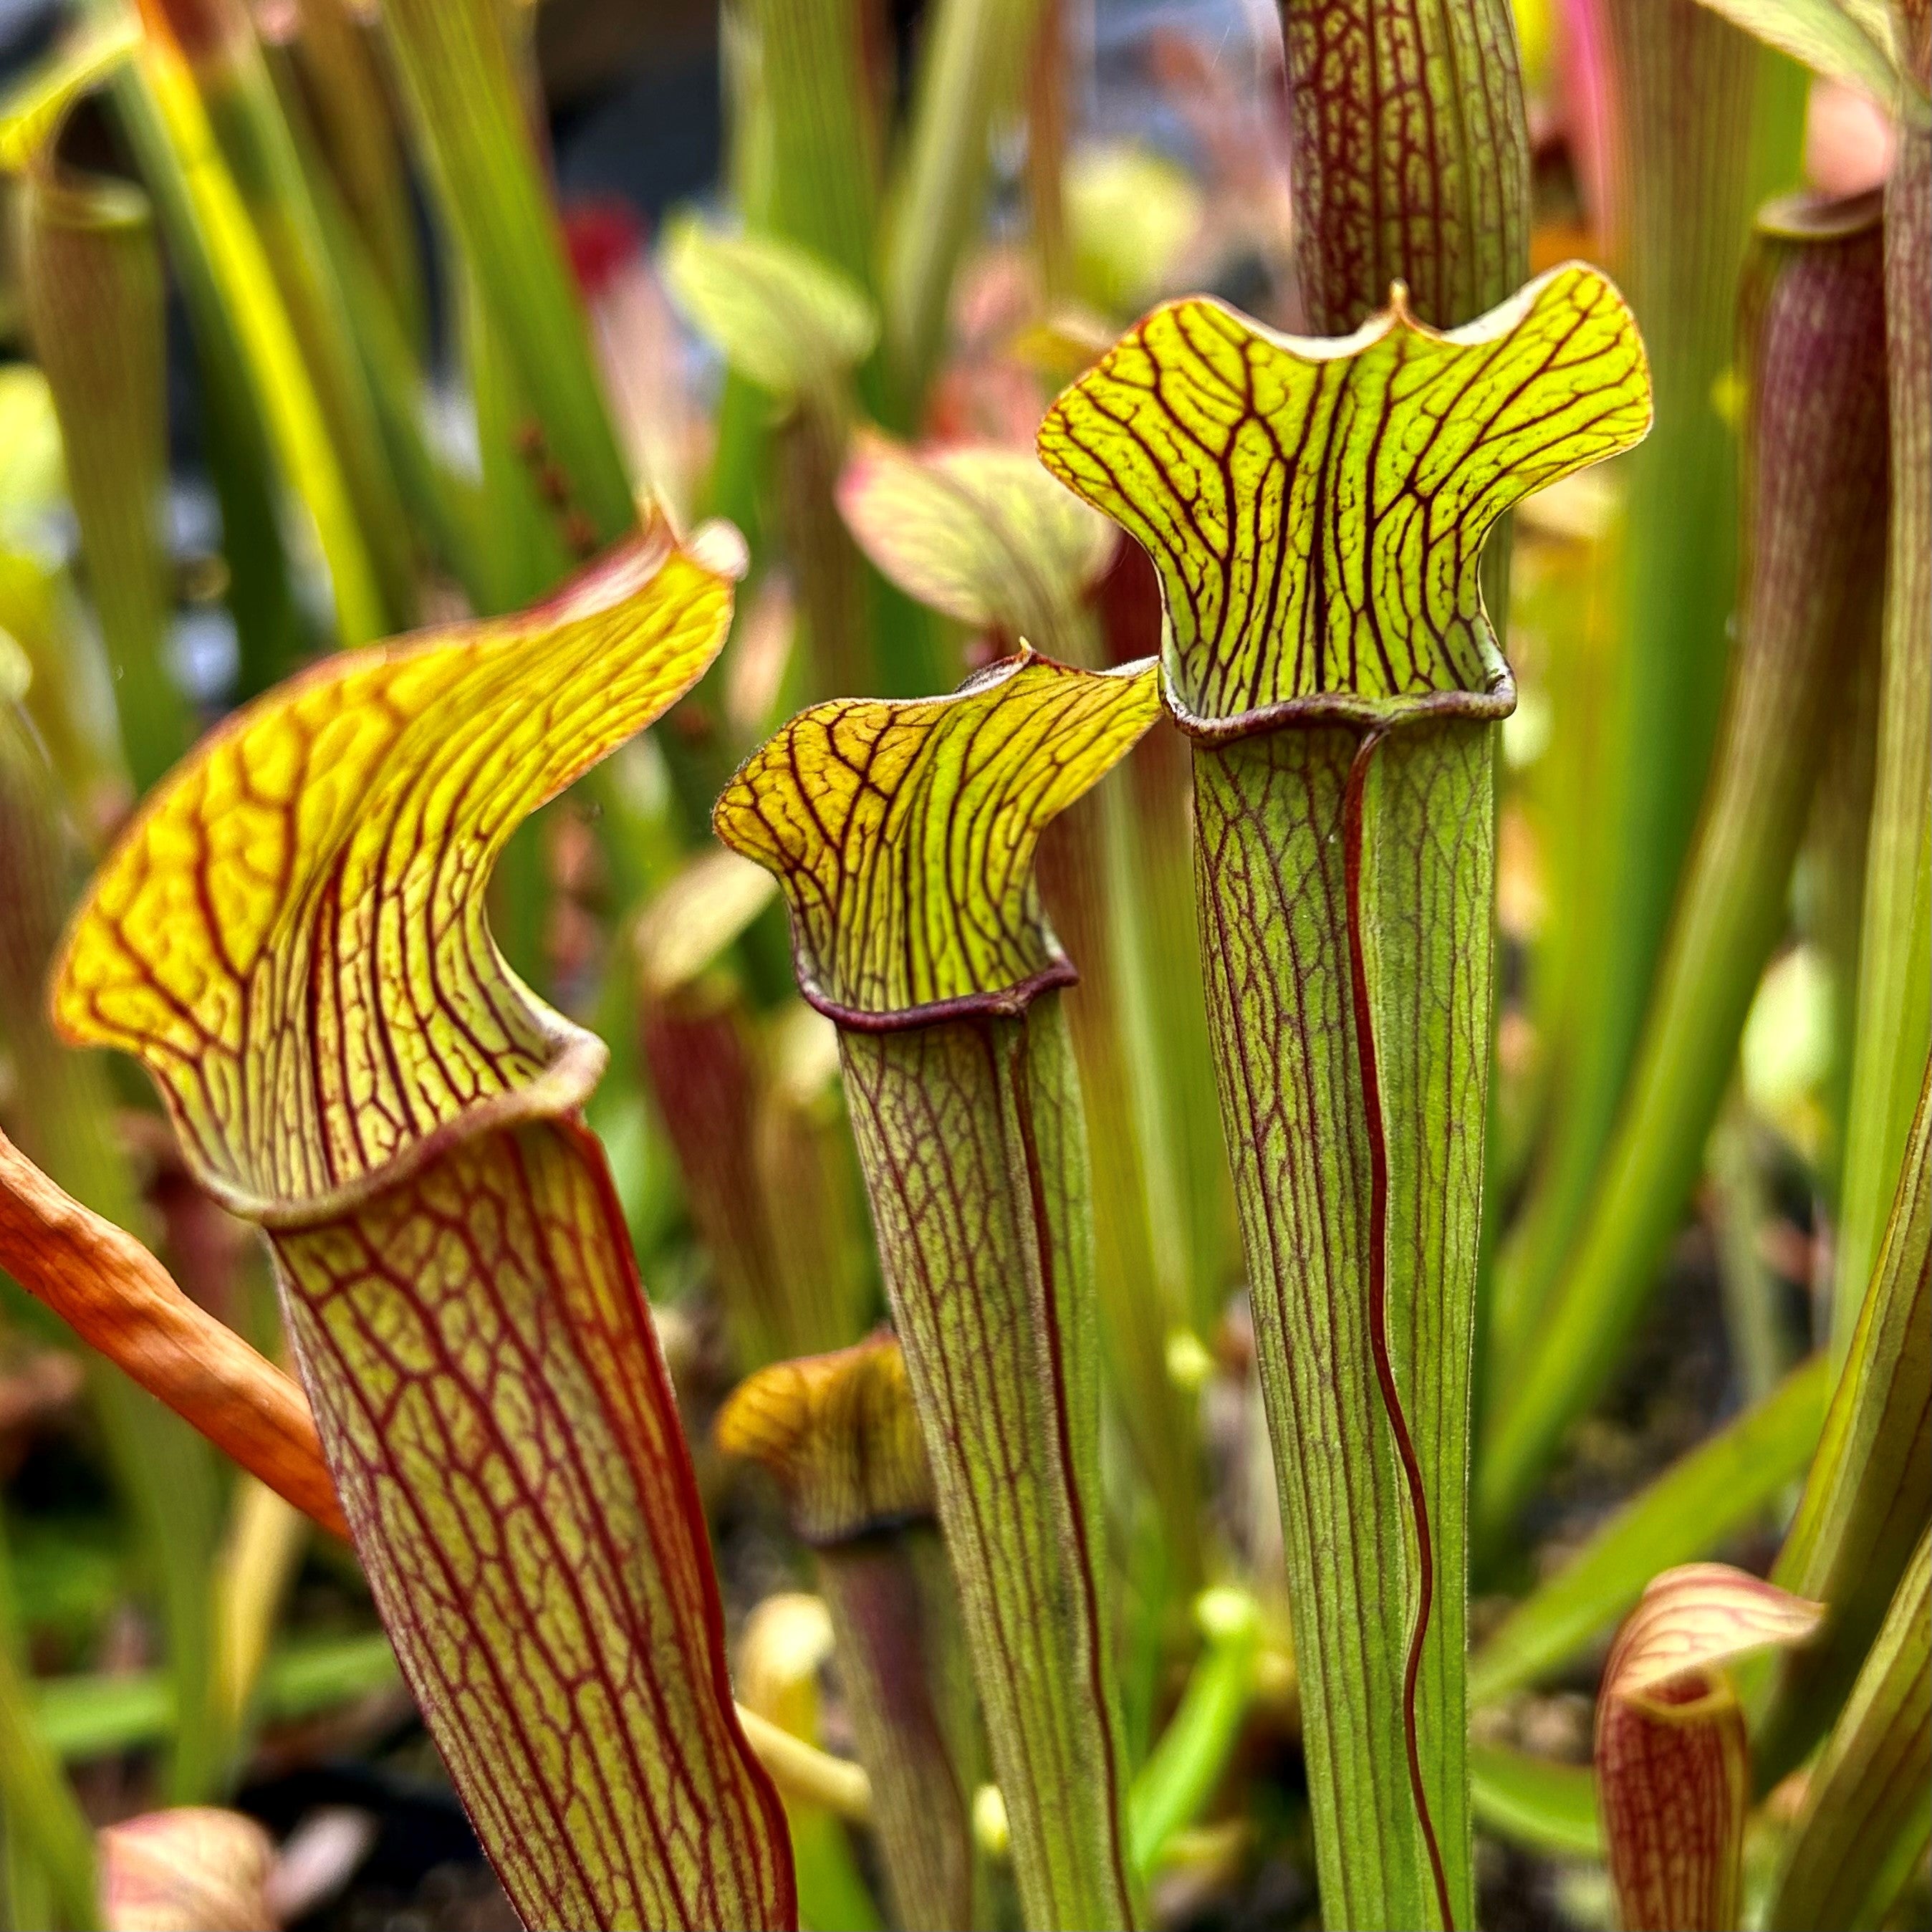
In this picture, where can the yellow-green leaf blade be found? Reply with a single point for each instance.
(903, 832)
(291, 935)
(1316, 510)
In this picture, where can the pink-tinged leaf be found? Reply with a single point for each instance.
(983, 533)
(1673, 1769)
(194, 1869)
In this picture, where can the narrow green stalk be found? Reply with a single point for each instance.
(250, 454)
(524, 554)
(1868, 1790)
(1164, 1010)
(784, 1257)
(1894, 1001)
(822, 191)
(1831, 894)
(1812, 512)
(802, 1154)
(968, 69)
(1701, 125)
(1046, 89)
(1742, 1210)
(909, 1689)
(460, 79)
(164, 1472)
(1869, 1490)
(445, 509)
(834, 600)
(1716, 1491)
(42, 1821)
(164, 111)
(346, 91)
(92, 279)
(985, 536)
(1087, 875)
(1191, 1756)
(903, 834)
(1339, 682)
(214, 42)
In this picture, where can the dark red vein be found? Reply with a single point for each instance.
(1378, 1192)
(1020, 1076)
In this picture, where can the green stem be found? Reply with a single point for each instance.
(971, 1135)
(835, 603)
(967, 69)
(1181, 1773)
(358, 135)
(1345, 884)
(1692, 109)
(908, 1687)
(44, 1824)
(165, 1472)
(1812, 505)
(260, 149)
(1086, 873)
(91, 278)
(244, 462)
(460, 79)
(228, 271)
(1894, 1001)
